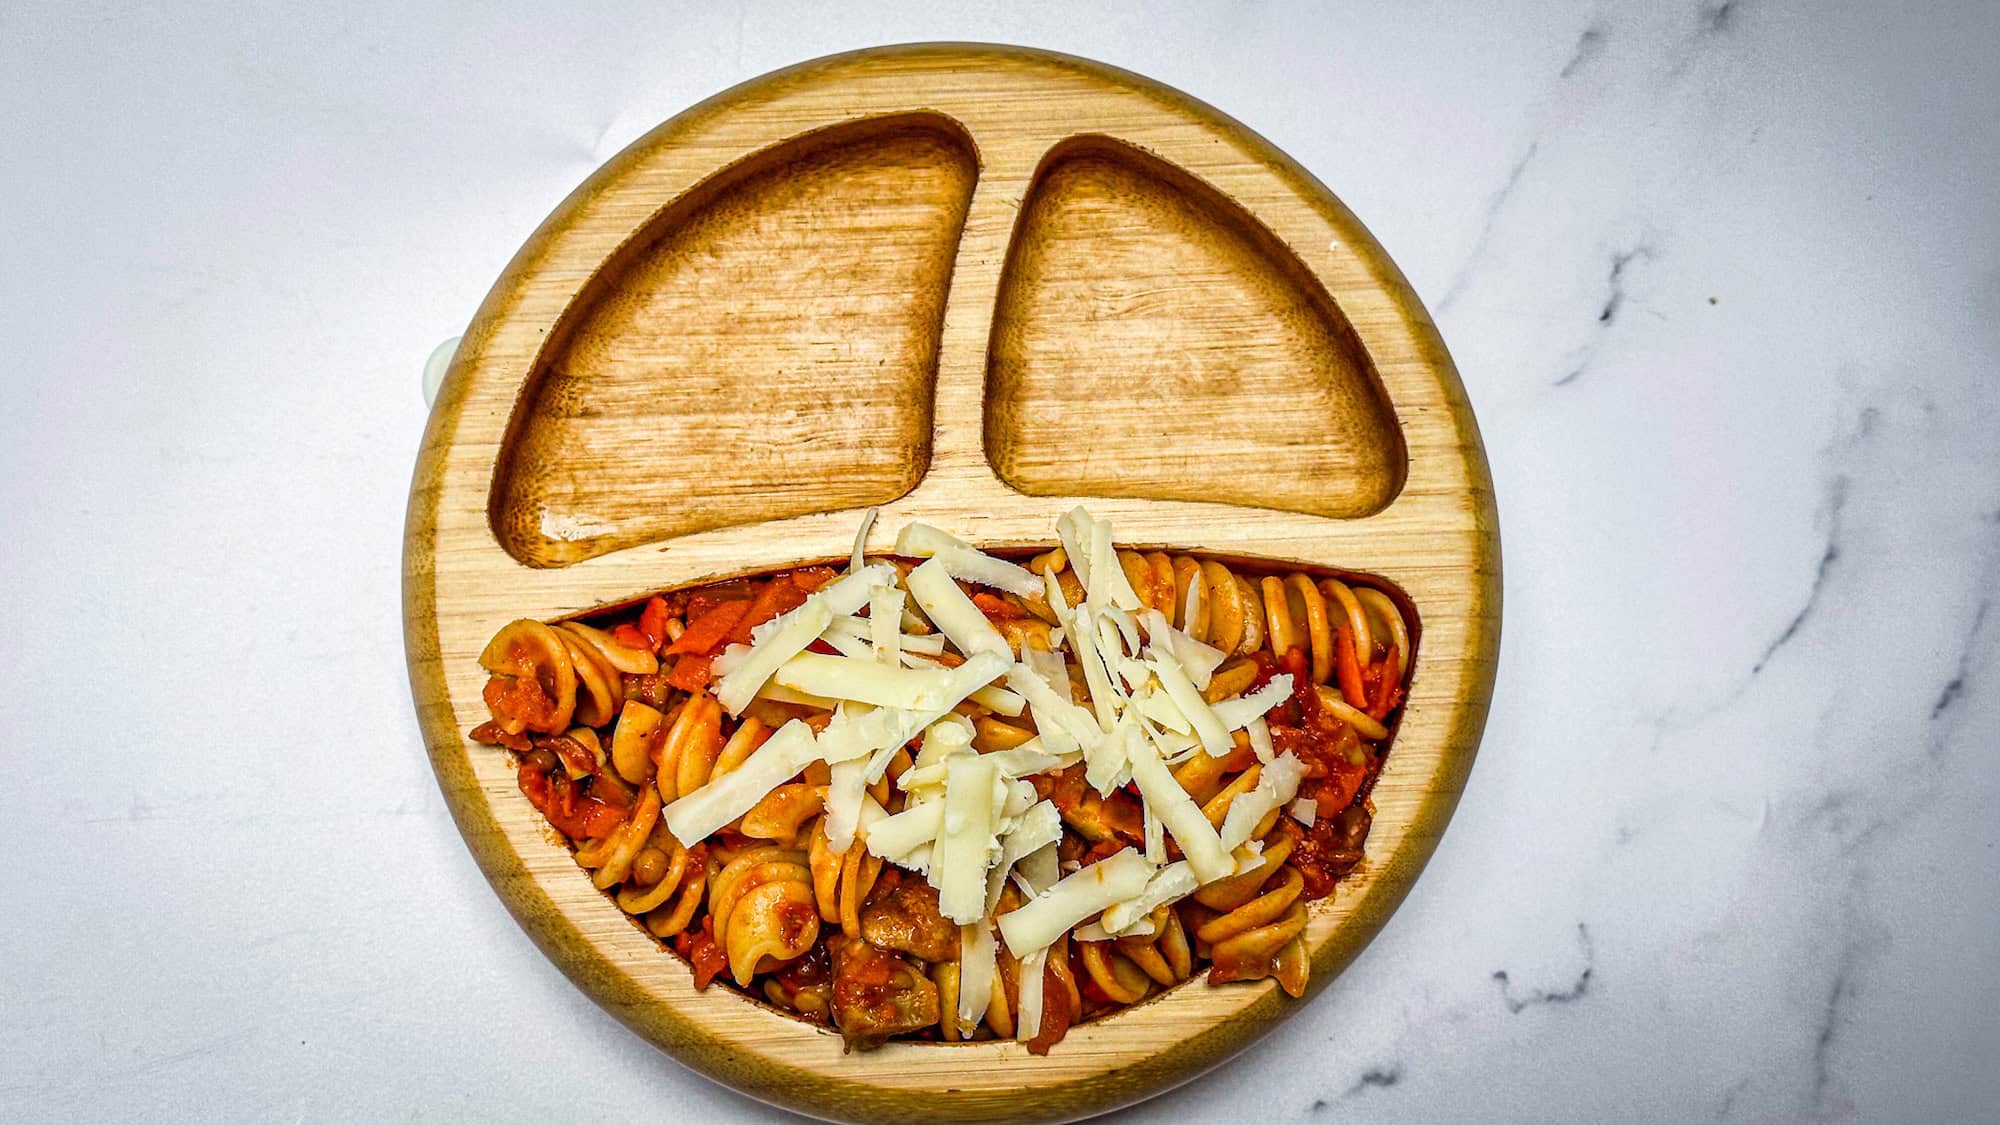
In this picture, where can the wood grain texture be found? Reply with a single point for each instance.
(1296, 381)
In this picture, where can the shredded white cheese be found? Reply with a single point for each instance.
(1112, 588)
(1081, 632)
(861, 539)
(1174, 681)
(1108, 763)
(1000, 701)
(1199, 660)
(1260, 740)
(845, 794)
(1028, 1022)
(963, 562)
(897, 835)
(1181, 816)
(1073, 529)
(1278, 784)
(799, 628)
(862, 680)
(953, 613)
(1159, 708)
(1171, 883)
(885, 624)
(1048, 916)
(1039, 869)
(1235, 714)
(1064, 725)
(1035, 831)
(703, 812)
(977, 955)
(965, 842)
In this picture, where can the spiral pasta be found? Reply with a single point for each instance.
(668, 885)
(841, 880)
(619, 727)
(1216, 605)
(762, 904)
(1249, 926)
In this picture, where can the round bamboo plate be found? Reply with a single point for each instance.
(974, 286)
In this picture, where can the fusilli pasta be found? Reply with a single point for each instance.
(1201, 733)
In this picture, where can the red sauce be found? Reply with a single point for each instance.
(1327, 851)
(815, 967)
(998, 609)
(493, 734)
(1339, 767)
(867, 985)
(703, 954)
(795, 919)
(562, 802)
(520, 702)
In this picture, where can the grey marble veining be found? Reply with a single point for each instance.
(1723, 280)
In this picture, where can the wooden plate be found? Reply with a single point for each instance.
(975, 286)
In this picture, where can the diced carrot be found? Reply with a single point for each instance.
(1337, 792)
(1384, 692)
(812, 578)
(572, 814)
(997, 608)
(631, 636)
(1389, 701)
(705, 954)
(707, 632)
(1347, 669)
(777, 596)
(653, 622)
(692, 671)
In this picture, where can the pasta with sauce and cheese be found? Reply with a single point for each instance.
(952, 796)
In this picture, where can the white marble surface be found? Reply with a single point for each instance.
(1723, 281)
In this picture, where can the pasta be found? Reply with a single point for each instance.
(951, 796)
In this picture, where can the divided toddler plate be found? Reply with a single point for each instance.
(974, 286)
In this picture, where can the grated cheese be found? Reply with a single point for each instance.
(1039, 869)
(1108, 586)
(896, 836)
(1181, 816)
(965, 842)
(885, 625)
(1050, 914)
(1158, 707)
(861, 539)
(845, 794)
(953, 613)
(1064, 725)
(1108, 764)
(860, 679)
(704, 811)
(1036, 831)
(1028, 1021)
(800, 628)
(964, 562)
(1235, 714)
(1278, 783)
(1171, 883)
(1174, 681)
(1260, 740)
(977, 955)
(778, 693)
(1198, 659)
